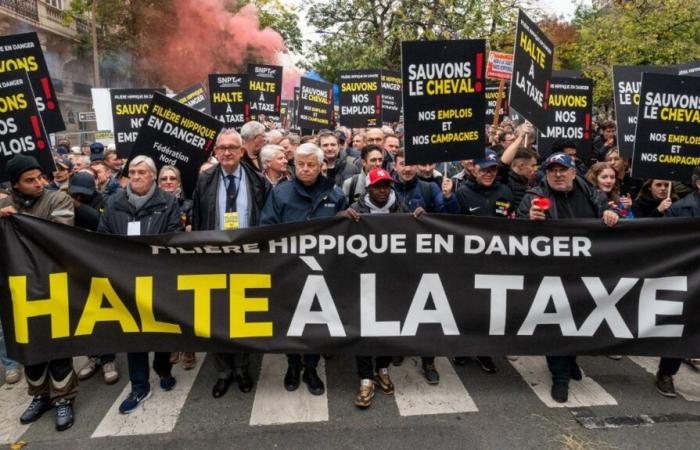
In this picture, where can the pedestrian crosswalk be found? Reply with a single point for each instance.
(271, 404)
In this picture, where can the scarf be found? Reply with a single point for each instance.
(137, 201)
(374, 209)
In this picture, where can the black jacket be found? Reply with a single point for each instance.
(87, 215)
(344, 168)
(518, 185)
(646, 206)
(160, 214)
(478, 200)
(204, 200)
(597, 201)
(689, 206)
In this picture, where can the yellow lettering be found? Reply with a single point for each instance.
(94, 312)
(144, 303)
(240, 305)
(202, 286)
(56, 306)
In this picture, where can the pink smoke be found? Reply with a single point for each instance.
(291, 77)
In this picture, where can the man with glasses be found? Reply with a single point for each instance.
(229, 196)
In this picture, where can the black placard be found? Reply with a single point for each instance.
(689, 69)
(360, 98)
(23, 51)
(195, 97)
(532, 71)
(295, 108)
(129, 107)
(315, 104)
(228, 94)
(391, 97)
(569, 112)
(264, 90)
(21, 129)
(627, 81)
(491, 96)
(443, 100)
(176, 135)
(667, 138)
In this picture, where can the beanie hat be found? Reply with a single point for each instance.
(20, 164)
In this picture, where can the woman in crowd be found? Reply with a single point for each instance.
(653, 199)
(603, 176)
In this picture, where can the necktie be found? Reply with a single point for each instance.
(231, 194)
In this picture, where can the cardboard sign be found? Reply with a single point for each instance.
(21, 128)
(570, 106)
(315, 104)
(228, 94)
(264, 90)
(360, 98)
(129, 107)
(195, 97)
(391, 97)
(627, 81)
(491, 95)
(499, 66)
(667, 142)
(532, 70)
(23, 51)
(443, 100)
(176, 135)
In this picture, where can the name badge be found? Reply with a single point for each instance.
(231, 221)
(133, 229)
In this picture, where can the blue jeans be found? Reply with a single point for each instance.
(139, 371)
(7, 362)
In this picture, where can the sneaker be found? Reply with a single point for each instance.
(132, 401)
(664, 384)
(365, 394)
(64, 414)
(512, 358)
(460, 360)
(89, 369)
(313, 382)
(560, 392)
(109, 373)
(431, 375)
(174, 358)
(615, 357)
(39, 405)
(487, 364)
(167, 383)
(189, 360)
(383, 380)
(13, 375)
(397, 360)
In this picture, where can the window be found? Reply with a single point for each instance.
(55, 3)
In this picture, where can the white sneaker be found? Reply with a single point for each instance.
(109, 372)
(511, 358)
(88, 369)
(13, 375)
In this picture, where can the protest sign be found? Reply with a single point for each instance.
(532, 71)
(315, 104)
(690, 69)
(491, 95)
(23, 51)
(360, 98)
(229, 99)
(627, 81)
(195, 97)
(667, 141)
(295, 107)
(264, 90)
(499, 66)
(129, 107)
(389, 285)
(176, 135)
(21, 128)
(569, 116)
(391, 96)
(443, 100)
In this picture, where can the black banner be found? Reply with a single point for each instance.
(627, 81)
(21, 128)
(129, 107)
(569, 116)
(532, 71)
(690, 69)
(667, 141)
(491, 95)
(23, 51)
(264, 90)
(177, 135)
(441, 285)
(360, 98)
(391, 96)
(229, 99)
(195, 97)
(443, 100)
(315, 108)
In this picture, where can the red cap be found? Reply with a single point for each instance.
(376, 175)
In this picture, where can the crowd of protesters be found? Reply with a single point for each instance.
(262, 176)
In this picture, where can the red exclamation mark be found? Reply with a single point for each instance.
(37, 132)
(479, 71)
(546, 95)
(246, 112)
(587, 126)
(47, 92)
(277, 105)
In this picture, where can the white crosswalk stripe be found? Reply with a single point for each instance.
(13, 400)
(274, 405)
(686, 381)
(582, 393)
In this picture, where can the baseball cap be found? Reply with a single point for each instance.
(559, 158)
(377, 175)
(65, 163)
(489, 159)
(82, 183)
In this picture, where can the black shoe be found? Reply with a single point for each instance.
(221, 387)
(313, 382)
(291, 378)
(664, 384)
(460, 360)
(245, 383)
(64, 414)
(397, 360)
(39, 405)
(431, 375)
(487, 364)
(560, 392)
(575, 372)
